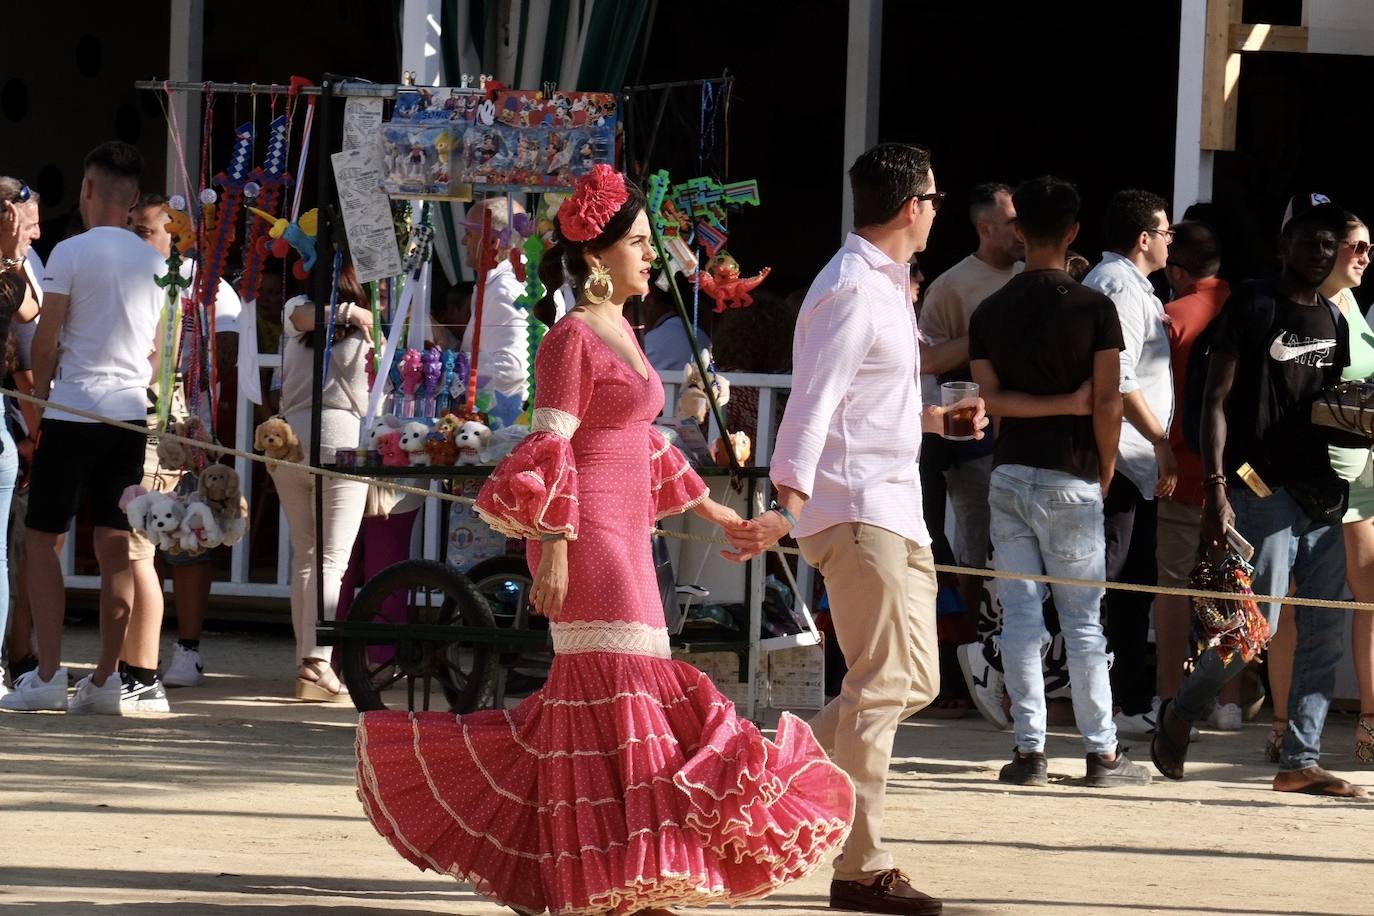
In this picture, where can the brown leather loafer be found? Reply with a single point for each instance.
(1314, 781)
(890, 893)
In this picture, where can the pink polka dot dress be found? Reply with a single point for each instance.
(628, 782)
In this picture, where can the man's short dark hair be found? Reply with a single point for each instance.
(150, 199)
(1130, 213)
(1330, 217)
(1195, 249)
(984, 197)
(1046, 208)
(886, 177)
(117, 159)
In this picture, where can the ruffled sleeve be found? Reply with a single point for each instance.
(677, 487)
(533, 491)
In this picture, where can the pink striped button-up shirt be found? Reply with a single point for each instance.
(851, 435)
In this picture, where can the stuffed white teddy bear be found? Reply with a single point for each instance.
(472, 439)
(413, 438)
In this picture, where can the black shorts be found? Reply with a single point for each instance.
(82, 461)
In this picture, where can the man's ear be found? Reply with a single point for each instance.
(1073, 233)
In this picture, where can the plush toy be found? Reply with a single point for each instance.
(442, 450)
(158, 516)
(219, 488)
(393, 456)
(692, 400)
(448, 425)
(471, 440)
(722, 282)
(177, 456)
(380, 427)
(198, 530)
(739, 441)
(275, 438)
(412, 442)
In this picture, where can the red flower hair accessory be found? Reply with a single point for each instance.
(595, 199)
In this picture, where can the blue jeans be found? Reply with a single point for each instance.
(1051, 522)
(9, 474)
(1287, 542)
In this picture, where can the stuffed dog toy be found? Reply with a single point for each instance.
(219, 489)
(692, 400)
(393, 456)
(472, 439)
(275, 438)
(412, 442)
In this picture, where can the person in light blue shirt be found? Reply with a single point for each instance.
(665, 339)
(1137, 234)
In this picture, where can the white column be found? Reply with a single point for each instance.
(186, 46)
(1192, 164)
(420, 41)
(862, 80)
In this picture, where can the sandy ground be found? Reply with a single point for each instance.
(242, 801)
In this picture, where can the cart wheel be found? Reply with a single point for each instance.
(506, 582)
(432, 593)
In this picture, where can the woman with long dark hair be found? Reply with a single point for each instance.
(627, 784)
(341, 418)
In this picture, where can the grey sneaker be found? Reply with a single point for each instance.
(136, 697)
(1120, 772)
(1026, 769)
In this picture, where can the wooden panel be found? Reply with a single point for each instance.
(1220, 76)
(1263, 37)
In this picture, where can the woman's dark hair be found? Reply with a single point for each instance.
(564, 262)
(350, 290)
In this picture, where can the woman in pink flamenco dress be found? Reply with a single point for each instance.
(627, 784)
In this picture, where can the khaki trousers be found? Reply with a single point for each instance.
(882, 602)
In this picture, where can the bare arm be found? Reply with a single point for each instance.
(1019, 404)
(302, 318)
(1107, 407)
(937, 359)
(1221, 377)
(44, 349)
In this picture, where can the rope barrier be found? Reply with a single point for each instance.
(682, 535)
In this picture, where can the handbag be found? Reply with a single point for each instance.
(1324, 499)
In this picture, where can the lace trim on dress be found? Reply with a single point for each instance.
(619, 636)
(553, 420)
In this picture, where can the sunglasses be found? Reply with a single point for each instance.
(1360, 249)
(936, 198)
(24, 194)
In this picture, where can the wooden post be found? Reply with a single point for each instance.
(1220, 76)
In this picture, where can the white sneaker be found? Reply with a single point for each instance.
(31, 693)
(1141, 725)
(1227, 717)
(985, 683)
(97, 701)
(186, 668)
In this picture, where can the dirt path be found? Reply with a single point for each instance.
(242, 801)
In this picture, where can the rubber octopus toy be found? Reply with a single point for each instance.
(722, 282)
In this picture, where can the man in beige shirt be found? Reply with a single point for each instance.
(945, 312)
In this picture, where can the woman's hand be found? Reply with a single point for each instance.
(551, 580)
(717, 514)
(14, 232)
(358, 317)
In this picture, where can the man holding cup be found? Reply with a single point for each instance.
(845, 468)
(1045, 352)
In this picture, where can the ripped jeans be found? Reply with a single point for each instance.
(1050, 522)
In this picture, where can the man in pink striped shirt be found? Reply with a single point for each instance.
(845, 467)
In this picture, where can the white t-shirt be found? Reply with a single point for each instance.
(106, 340)
(228, 306)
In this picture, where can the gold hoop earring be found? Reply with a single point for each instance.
(598, 286)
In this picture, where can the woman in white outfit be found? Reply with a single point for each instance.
(341, 417)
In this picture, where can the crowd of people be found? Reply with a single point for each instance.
(1114, 437)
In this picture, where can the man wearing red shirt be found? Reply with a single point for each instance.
(1194, 259)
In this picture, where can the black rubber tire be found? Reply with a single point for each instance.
(466, 672)
(490, 578)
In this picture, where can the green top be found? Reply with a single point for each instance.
(1361, 340)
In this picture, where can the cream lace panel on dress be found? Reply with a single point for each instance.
(553, 420)
(624, 637)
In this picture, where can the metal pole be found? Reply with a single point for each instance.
(324, 256)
